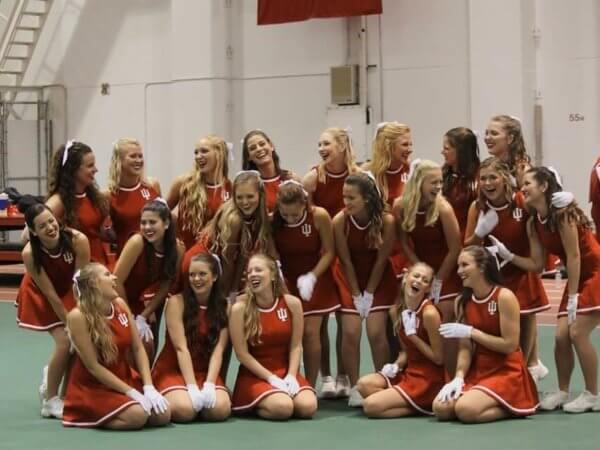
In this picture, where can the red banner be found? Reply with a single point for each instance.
(281, 11)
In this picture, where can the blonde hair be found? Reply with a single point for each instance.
(114, 171)
(342, 140)
(218, 231)
(382, 148)
(401, 304)
(412, 197)
(252, 328)
(193, 199)
(90, 301)
(499, 166)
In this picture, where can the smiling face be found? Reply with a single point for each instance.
(292, 213)
(468, 271)
(497, 140)
(205, 157)
(354, 202)
(417, 281)
(449, 153)
(492, 185)
(402, 149)
(260, 277)
(85, 175)
(201, 279)
(106, 283)
(534, 192)
(329, 150)
(46, 228)
(152, 227)
(132, 160)
(247, 198)
(260, 150)
(432, 185)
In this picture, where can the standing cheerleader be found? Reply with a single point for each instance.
(304, 240)
(129, 189)
(324, 184)
(429, 232)
(501, 212)
(45, 295)
(147, 267)
(564, 230)
(103, 389)
(594, 197)
(491, 381)
(199, 193)
(266, 331)
(364, 236)
(74, 197)
(187, 370)
(409, 385)
(459, 172)
(258, 153)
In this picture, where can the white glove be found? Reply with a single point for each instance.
(436, 289)
(277, 383)
(306, 285)
(367, 299)
(358, 304)
(390, 370)
(486, 222)
(195, 396)
(501, 249)
(143, 328)
(572, 308)
(409, 322)
(562, 199)
(209, 395)
(455, 330)
(159, 404)
(292, 384)
(451, 390)
(141, 399)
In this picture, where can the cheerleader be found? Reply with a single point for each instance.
(459, 172)
(303, 238)
(501, 212)
(258, 153)
(324, 184)
(51, 257)
(491, 380)
(409, 385)
(74, 197)
(147, 267)
(364, 235)
(129, 189)
(564, 230)
(103, 389)
(193, 352)
(266, 331)
(428, 231)
(199, 193)
(594, 197)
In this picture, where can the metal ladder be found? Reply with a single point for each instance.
(21, 34)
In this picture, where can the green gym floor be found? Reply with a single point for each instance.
(23, 354)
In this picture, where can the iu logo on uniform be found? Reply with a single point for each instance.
(518, 214)
(492, 307)
(282, 314)
(123, 320)
(225, 196)
(306, 229)
(68, 257)
(145, 193)
(404, 177)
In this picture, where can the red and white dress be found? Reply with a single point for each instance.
(512, 232)
(166, 373)
(396, 180)
(271, 188)
(589, 276)
(328, 195)
(460, 194)
(126, 210)
(34, 311)
(363, 259)
(90, 221)
(430, 246)
(272, 352)
(88, 402)
(501, 376)
(421, 380)
(299, 248)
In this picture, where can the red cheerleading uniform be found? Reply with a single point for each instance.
(328, 195)
(89, 222)
(421, 380)
(595, 197)
(501, 376)
(126, 210)
(396, 179)
(166, 373)
(589, 277)
(429, 244)
(299, 248)
(272, 352)
(216, 195)
(271, 188)
(90, 403)
(363, 259)
(34, 311)
(460, 195)
(512, 232)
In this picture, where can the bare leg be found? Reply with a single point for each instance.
(222, 409)
(377, 334)
(305, 404)
(564, 356)
(59, 361)
(370, 384)
(450, 345)
(580, 332)
(181, 406)
(385, 404)
(132, 418)
(278, 406)
(478, 407)
(311, 344)
(351, 333)
(528, 338)
(324, 336)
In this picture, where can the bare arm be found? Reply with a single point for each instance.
(310, 182)
(470, 237)
(173, 195)
(452, 235)
(153, 182)
(131, 252)
(383, 254)
(81, 246)
(403, 235)
(343, 252)
(535, 261)
(325, 228)
(295, 308)
(434, 350)
(233, 264)
(176, 329)
(569, 235)
(216, 358)
(508, 341)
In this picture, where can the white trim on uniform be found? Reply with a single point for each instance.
(131, 189)
(517, 411)
(39, 328)
(102, 420)
(322, 311)
(535, 310)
